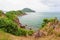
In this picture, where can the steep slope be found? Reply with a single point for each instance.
(4, 36)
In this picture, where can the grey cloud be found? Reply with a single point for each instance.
(43, 5)
(51, 3)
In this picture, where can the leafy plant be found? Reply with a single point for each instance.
(8, 25)
(30, 32)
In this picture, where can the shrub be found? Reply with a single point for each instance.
(11, 15)
(8, 25)
(45, 20)
(24, 32)
(30, 32)
(21, 32)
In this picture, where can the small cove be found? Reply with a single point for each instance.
(34, 20)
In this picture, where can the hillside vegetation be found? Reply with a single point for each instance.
(50, 29)
(11, 29)
(9, 23)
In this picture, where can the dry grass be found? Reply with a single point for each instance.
(32, 38)
(56, 31)
(6, 36)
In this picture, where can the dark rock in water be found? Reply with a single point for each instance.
(22, 26)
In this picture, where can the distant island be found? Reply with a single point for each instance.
(27, 10)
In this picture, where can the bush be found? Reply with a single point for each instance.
(8, 25)
(21, 32)
(11, 15)
(24, 32)
(30, 32)
(45, 20)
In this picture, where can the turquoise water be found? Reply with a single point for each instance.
(34, 20)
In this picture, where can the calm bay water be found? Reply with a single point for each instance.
(34, 20)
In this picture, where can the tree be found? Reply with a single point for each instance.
(45, 20)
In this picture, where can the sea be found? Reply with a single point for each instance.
(34, 19)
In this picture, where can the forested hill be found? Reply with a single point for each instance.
(27, 10)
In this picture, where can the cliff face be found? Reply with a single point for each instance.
(51, 28)
(13, 15)
(18, 22)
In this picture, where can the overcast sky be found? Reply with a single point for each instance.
(38, 5)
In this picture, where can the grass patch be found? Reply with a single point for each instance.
(4, 36)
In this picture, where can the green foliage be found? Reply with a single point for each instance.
(30, 32)
(24, 32)
(42, 25)
(46, 20)
(51, 20)
(8, 25)
(18, 12)
(11, 15)
(21, 32)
